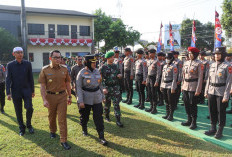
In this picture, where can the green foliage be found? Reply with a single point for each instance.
(113, 33)
(204, 34)
(7, 43)
(226, 19)
(146, 45)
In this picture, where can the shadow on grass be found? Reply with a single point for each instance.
(51, 146)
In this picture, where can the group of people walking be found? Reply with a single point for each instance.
(163, 76)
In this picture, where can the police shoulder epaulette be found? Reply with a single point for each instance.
(46, 66)
(65, 66)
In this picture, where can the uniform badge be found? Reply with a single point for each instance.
(175, 70)
(219, 74)
(158, 63)
(131, 60)
(50, 80)
(86, 73)
(99, 80)
(230, 69)
(145, 64)
(202, 67)
(180, 65)
(88, 81)
(191, 71)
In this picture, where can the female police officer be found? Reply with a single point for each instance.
(90, 96)
(218, 91)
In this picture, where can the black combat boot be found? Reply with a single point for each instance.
(167, 112)
(150, 109)
(170, 117)
(188, 122)
(2, 110)
(137, 105)
(102, 139)
(154, 110)
(212, 130)
(194, 123)
(127, 98)
(84, 131)
(218, 134)
(229, 111)
(107, 118)
(118, 122)
(141, 107)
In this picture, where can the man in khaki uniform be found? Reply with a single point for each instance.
(55, 86)
(191, 86)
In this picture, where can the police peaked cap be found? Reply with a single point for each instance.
(169, 55)
(220, 50)
(90, 58)
(127, 49)
(160, 54)
(152, 51)
(140, 51)
(175, 52)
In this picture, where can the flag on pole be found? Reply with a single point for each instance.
(160, 39)
(218, 31)
(171, 38)
(193, 38)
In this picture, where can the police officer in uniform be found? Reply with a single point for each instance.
(20, 87)
(229, 60)
(153, 78)
(2, 88)
(90, 96)
(205, 75)
(168, 85)
(179, 65)
(118, 61)
(140, 77)
(147, 93)
(55, 86)
(110, 80)
(218, 91)
(160, 56)
(128, 75)
(191, 87)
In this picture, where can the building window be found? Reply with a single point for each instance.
(63, 30)
(31, 57)
(35, 29)
(84, 30)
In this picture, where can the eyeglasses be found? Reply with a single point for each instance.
(56, 58)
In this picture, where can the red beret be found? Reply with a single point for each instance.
(193, 49)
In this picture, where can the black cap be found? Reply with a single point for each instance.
(220, 50)
(90, 58)
(152, 51)
(139, 51)
(116, 51)
(160, 54)
(203, 53)
(175, 52)
(127, 49)
(169, 55)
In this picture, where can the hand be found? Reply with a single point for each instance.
(82, 105)
(131, 77)
(144, 82)
(9, 97)
(161, 89)
(224, 100)
(119, 76)
(173, 91)
(206, 96)
(104, 101)
(33, 95)
(156, 85)
(69, 101)
(46, 104)
(105, 91)
(197, 94)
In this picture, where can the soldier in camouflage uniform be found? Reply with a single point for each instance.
(110, 81)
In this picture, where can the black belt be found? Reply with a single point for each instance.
(139, 74)
(168, 81)
(91, 89)
(151, 76)
(217, 84)
(49, 92)
(191, 80)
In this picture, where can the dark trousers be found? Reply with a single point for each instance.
(2, 95)
(18, 110)
(190, 102)
(147, 93)
(152, 90)
(140, 89)
(201, 96)
(97, 116)
(177, 95)
(169, 97)
(160, 95)
(128, 86)
(217, 110)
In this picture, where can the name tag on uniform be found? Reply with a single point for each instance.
(87, 76)
(50, 74)
(98, 76)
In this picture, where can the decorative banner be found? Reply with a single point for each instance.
(59, 42)
(175, 34)
(218, 31)
(160, 39)
(171, 39)
(193, 38)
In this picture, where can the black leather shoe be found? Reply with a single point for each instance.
(65, 145)
(165, 117)
(53, 135)
(154, 111)
(141, 107)
(186, 123)
(229, 112)
(21, 132)
(137, 105)
(107, 119)
(129, 102)
(193, 126)
(119, 124)
(85, 133)
(210, 132)
(170, 118)
(31, 130)
(103, 141)
(124, 101)
(2, 111)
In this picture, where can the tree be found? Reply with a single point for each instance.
(113, 32)
(7, 43)
(146, 45)
(204, 34)
(226, 19)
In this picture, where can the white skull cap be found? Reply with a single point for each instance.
(18, 49)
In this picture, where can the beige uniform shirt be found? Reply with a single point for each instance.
(118, 62)
(169, 76)
(206, 69)
(219, 73)
(192, 69)
(154, 69)
(54, 78)
(129, 64)
(141, 68)
(91, 80)
(179, 65)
